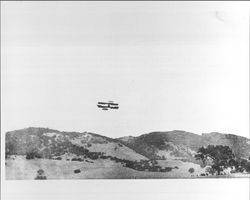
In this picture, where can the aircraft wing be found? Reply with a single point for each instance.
(114, 104)
(102, 106)
(103, 103)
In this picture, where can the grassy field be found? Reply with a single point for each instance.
(19, 168)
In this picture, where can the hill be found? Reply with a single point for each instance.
(49, 143)
(73, 155)
(183, 145)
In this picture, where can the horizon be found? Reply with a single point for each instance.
(168, 131)
(168, 65)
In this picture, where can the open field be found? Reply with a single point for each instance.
(19, 168)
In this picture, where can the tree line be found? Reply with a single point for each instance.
(221, 157)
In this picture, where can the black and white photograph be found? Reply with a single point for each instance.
(124, 90)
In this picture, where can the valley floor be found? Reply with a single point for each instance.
(19, 168)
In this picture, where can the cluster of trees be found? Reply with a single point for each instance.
(142, 165)
(56, 151)
(81, 151)
(40, 175)
(241, 165)
(220, 158)
(147, 165)
(217, 157)
(77, 159)
(32, 154)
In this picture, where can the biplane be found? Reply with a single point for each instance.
(107, 105)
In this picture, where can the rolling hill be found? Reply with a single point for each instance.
(184, 145)
(156, 145)
(153, 155)
(49, 143)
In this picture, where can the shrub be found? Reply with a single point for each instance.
(210, 170)
(89, 145)
(77, 159)
(76, 171)
(40, 175)
(168, 169)
(40, 178)
(32, 155)
(247, 167)
(240, 169)
(244, 165)
(191, 170)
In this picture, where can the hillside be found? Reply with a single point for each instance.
(74, 155)
(181, 144)
(156, 145)
(49, 143)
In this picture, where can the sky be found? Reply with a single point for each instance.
(169, 65)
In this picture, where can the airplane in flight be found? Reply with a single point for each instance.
(107, 105)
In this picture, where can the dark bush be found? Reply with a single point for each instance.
(89, 145)
(40, 175)
(191, 170)
(41, 178)
(76, 171)
(89, 161)
(211, 170)
(240, 169)
(77, 159)
(168, 169)
(33, 155)
(244, 165)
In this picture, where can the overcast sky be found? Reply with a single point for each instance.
(169, 65)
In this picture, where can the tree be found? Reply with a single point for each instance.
(191, 170)
(222, 157)
(243, 164)
(210, 170)
(32, 155)
(40, 175)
